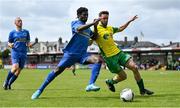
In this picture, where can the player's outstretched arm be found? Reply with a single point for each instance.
(86, 26)
(95, 34)
(121, 28)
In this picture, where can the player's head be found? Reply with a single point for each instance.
(18, 22)
(82, 14)
(104, 15)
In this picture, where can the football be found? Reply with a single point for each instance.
(127, 95)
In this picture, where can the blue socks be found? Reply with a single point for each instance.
(13, 78)
(95, 72)
(10, 74)
(48, 79)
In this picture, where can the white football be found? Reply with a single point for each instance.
(127, 95)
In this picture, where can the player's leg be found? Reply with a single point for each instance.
(116, 79)
(15, 66)
(9, 76)
(96, 61)
(50, 77)
(132, 66)
(66, 61)
(21, 63)
(14, 77)
(114, 67)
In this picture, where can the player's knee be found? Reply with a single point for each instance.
(124, 77)
(134, 68)
(59, 70)
(14, 68)
(98, 60)
(17, 73)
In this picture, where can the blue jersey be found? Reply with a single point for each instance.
(80, 40)
(20, 40)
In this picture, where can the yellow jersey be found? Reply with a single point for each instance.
(105, 40)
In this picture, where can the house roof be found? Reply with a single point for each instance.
(145, 44)
(133, 44)
(173, 45)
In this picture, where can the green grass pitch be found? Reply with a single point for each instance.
(69, 91)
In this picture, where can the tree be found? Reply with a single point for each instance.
(5, 53)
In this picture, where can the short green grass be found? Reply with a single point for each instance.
(69, 91)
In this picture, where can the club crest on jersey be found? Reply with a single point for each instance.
(24, 34)
(106, 36)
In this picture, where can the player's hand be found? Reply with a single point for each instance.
(96, 21)
(90, 42)
(134, 18)
(30, 45)
(11, 45)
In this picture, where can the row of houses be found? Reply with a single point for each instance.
(142, 51)
(57, 46)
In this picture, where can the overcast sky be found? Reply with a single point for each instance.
(159, 20)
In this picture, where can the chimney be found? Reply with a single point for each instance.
(135, 39)
(47, 43)
(60, 40)
(36, 40)
(47, 46)
(170, 42)
(125, 39)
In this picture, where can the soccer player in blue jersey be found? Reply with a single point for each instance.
(76, 51)
(19, 41)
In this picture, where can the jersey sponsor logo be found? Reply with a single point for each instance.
(21, 40)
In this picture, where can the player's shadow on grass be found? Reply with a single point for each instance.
(105, 98)
(46, 89)
(81, 97)
(137, 97)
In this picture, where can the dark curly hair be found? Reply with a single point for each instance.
(103, 12)
(80, 10)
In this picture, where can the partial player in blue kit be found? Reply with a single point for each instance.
(19, 41)
(76, 52)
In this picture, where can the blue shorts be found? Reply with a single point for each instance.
(70, 59)
(19, 58)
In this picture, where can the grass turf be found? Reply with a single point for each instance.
(69, 91)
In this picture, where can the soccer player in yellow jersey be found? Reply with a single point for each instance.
(115, 57)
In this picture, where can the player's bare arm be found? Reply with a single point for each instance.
(86, 26)
(126, 24)
(95, 34)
